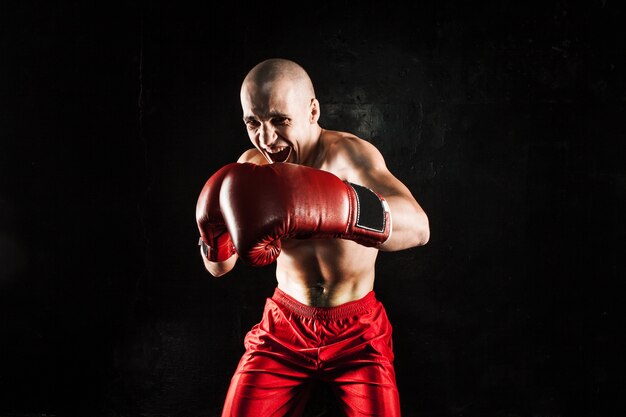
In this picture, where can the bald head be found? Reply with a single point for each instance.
(280, 111)
(268, 73)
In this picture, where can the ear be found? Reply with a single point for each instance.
(315, 111)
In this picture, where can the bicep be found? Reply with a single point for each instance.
(382, 181)
(409, 221)
(370, 170)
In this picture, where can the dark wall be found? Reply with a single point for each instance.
(505, 120)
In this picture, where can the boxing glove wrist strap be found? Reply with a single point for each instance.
(372, 223)
(223, 250)
(204, 247)
(372, 209)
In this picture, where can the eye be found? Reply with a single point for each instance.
(251, 124)
(279, 121)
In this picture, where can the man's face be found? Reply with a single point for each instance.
(278, 120)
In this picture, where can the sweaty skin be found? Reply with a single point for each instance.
(281, 115)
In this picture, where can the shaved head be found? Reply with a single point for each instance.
(277, 70)
(280, 111)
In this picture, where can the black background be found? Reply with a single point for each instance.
(505, 119)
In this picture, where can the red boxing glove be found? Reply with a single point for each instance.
(217, 245)
(265, 203)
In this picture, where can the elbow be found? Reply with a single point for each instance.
(422, 234)
(419, 237)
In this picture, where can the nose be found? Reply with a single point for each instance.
(267, 135)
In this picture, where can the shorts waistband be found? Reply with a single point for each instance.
(341, 311)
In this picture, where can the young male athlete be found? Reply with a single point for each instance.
(320, 204)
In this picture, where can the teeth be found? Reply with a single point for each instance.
(277, 150)
(279, 154)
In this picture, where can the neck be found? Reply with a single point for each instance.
(314, 150)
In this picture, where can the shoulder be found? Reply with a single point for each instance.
(349, 151)
(254, 156)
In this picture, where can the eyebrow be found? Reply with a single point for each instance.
(269, 116)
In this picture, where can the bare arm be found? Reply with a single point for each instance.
(217, 269)
(409, 222)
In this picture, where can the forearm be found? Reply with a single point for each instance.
(217, 269)
(409, 224)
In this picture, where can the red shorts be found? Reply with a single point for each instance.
(295, 346)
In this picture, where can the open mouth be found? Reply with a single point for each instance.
(281, 155)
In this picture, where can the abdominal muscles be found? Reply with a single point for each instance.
(325, 272)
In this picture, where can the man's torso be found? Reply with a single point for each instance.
(325, 272)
